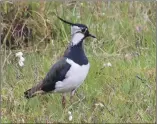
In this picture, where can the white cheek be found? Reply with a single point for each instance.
(77, 38)
(74, 29)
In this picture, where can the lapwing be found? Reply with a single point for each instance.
(70, 71)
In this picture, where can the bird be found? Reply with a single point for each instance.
(70, 71)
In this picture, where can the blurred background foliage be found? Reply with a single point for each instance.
(28, 24)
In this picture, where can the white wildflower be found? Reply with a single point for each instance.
(70, 116)
(19, 54)
(96, 104)
(99, 104)
(78, 16)
(108, 64)
(21, 58)
(23, 120)
(69, 112)
(21, 63)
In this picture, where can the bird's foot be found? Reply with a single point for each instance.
(63, 101)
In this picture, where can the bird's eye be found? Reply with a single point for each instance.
(84, 30)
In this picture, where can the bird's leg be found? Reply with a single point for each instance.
(63, 100)
(71, 95)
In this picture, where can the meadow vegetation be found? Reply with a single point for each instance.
(123, 92)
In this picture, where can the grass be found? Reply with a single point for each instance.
(126, 90)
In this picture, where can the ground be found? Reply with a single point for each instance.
(121, 92)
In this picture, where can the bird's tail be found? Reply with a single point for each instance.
(34, 90)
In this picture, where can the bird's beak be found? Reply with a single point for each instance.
(90, 35)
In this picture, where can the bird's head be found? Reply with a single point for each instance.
(78, 31)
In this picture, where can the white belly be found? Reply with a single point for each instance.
(74, 77)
